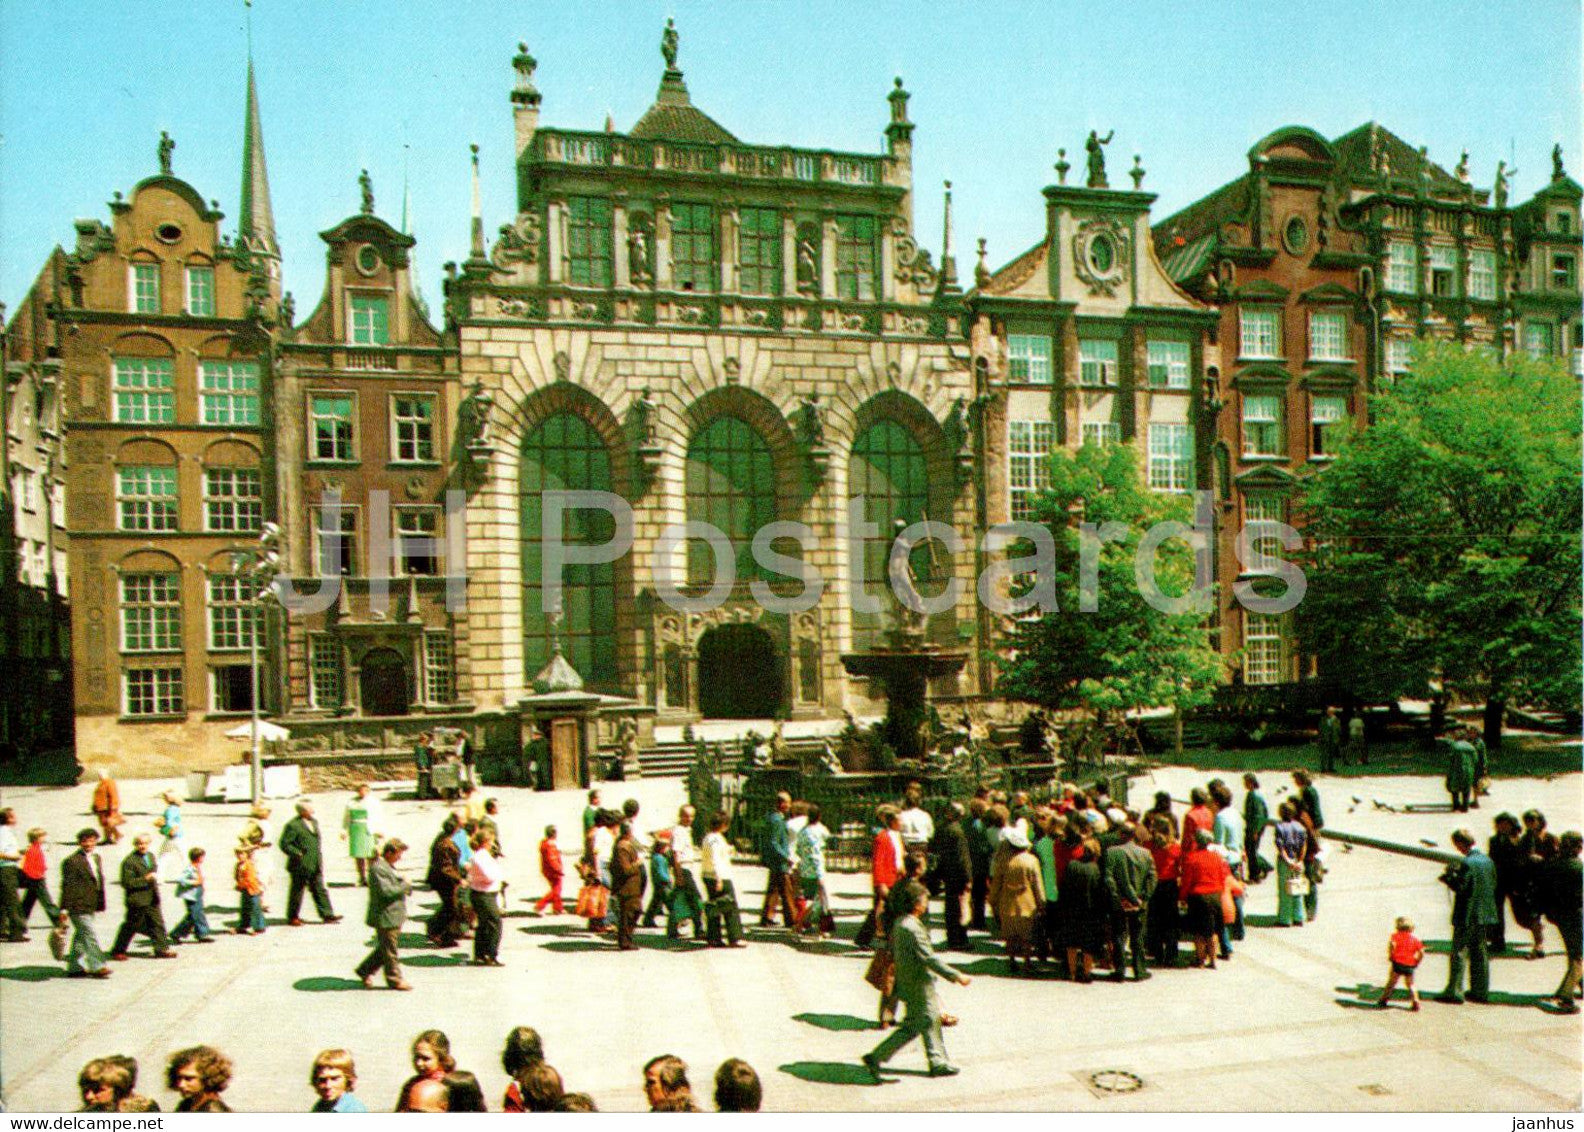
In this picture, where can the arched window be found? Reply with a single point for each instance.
(564, 453)
(890, 474)
(731, 484)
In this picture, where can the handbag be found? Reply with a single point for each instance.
(57, 940)
(1297, 886)
(592, 901)
(881, 973)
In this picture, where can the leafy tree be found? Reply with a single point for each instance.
(1446, 538)
(1126, 654)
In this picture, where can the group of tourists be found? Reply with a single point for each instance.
(199, 1077)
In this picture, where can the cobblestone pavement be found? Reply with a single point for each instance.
(1279, 1027)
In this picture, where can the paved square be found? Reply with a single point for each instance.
(1279, 1027)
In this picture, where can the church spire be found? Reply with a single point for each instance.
(256, 225)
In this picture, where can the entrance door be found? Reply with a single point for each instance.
(564, 754)
(383, 683)
(739, 674)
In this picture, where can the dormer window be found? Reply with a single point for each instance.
(145, 288)
(368, 320)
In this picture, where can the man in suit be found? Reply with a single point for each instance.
(140, 882)
(627, 886)
(1129, 872)
(778, 859)
(954, 870)
(305, 866)
(1474, 914)
(1460, 757)
(387, 911)
(82, 896)
(916, 967)
(885, 865)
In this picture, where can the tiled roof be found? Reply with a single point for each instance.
(673, 117)
(1355, 159)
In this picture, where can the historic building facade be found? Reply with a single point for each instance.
(713, 331)
(1328, 260)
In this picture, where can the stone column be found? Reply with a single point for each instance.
(555, 240)
(887, 288)
(827, 255)
(662, 243)
(622, 273)
(728, 247)
(788, 253)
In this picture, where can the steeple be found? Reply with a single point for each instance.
(948, 268)
(256, 225)
(477, 259)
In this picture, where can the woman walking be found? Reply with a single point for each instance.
(486, 885)
(1292, 841)
(360, 827)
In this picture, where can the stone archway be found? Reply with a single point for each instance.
(740, 673)
(384, 687)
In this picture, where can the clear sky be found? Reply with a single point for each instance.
(997, 87)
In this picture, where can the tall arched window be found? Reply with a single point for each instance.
(890, 474)
(564, 453)
(731, 484)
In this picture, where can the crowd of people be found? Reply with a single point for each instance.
(199, 1076)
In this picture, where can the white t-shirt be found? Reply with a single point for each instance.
(683, 851)
(10, 848)
(717, 857)
(795, 827)
(485, 873)
(916, 827)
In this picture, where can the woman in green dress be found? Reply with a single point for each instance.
(360, 829)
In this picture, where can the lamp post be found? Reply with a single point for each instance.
(257, 566)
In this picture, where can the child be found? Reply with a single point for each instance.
(190, 888)
(550, 867)
(250, 912)
(660, 877)
(34, 870)
(1405, 952)
(333, 1077)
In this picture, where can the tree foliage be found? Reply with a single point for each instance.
(1446, 537)
(1126, 654)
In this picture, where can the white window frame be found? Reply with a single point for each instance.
(1168, 363)
(1264, 648)
(201, 290)
(414, 432)
(234, 615)
(30, 490)
(228, 393)
(1539, 338)
(142, 503)
(1100, 432)
(1098, 361)
(1328, 336)
(1564, 280)
(1267, 422)
(166, 693)
(143, 390)
(1482, 275)
(143, 287)
(439, 668)
(1029, 359)
(1029, 445)
(1402, 267)
(1261, 512)
(1444, 259)
(233, 500)
(1170, 463)
(1399, 356)
(1259, 333)
(151, 611)
(1328, 416)
(348, 521)
(406, 522)
(326, 667)
(365, 331)
(314, 417)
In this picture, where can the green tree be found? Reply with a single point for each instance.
(1445, 539)
(1125, 654)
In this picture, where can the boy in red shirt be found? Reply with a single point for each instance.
(1405, 952)
(550, 867)
(34, 870)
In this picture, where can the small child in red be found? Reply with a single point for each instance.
(550, 867)
(1405, 952)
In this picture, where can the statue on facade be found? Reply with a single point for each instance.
(830, 761)
(1557, 172)
(627, 736)
(1500, 190)
(807, 267)
(473, 418)
(1462, 170)
(366, 187)
(808, 428)
(668, 45)
(955, 429)
(166, 146)
(643, 418)
(1097, 173)
(638, 256)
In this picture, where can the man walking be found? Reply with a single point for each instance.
(13, 925)
(1460, 771)
(1330, 740)
(778, 860)
(954, 868)
(82, 896)
(387, 911)
(143, 917)
(1473, 885)
(1129, 872)
(627, 886)
(305, 866)
(916, 967)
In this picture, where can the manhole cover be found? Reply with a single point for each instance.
(1109, 1082)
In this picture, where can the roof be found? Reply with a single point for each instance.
(1013, 275)
(1184, 263)
(1228, 203)
(558, 676)
(1355, 158)
(673, 117)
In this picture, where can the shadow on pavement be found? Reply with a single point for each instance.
(837, 1022)
(327, 983)
(829, 1072)
(32, 974)
(1365, 994)
(435, 960)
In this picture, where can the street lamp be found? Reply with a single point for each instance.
(256, 567)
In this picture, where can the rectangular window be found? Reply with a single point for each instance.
(1327, 424)
(1029, 445)
(1263, 648)
(412, 419)
(1443, 272)
(1168, 365)
(335, 532)
(200, 290)
(228, 393)
(330, 427)
(1262, 420)
(1482, 275)
(233, 499)
(1170, 457)
(368, 319)
(145, 288)
(325, 680)
(232, 688)
(692, 247)
(233, 613)
(153, 691)
(145, 391)
(1539, 339)
(151, 613)
(759, 251)
(855, 257)
(417, 528)
(146, 498)
(1402, 267)
(1399, 356)
(588, 242)
(30, 490)
(1564, 275)
(1097, 361)
(1328, 336)
(1260, 333)
(439, 669)
(1029, 359)
(1562, 222)
(1260, 513)
(1101, 432)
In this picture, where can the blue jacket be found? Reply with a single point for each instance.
(778, 843)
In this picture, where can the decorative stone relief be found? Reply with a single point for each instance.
(519, 242)
(563, 366)
(1101, 254)
(913, 264)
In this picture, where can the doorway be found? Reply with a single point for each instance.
(383, 684)
(739, 674)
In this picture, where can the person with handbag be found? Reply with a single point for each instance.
(1292, 842)
(686, 902)
(917, 967)
(885, 866)
(387, 912)
(818, 921)
(82, 892)
(716, 868)
(107, 807)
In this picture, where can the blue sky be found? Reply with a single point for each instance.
(997, 88)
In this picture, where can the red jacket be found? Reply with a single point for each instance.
(1198, 817)
(884, 868)
(1166, 858)
(33, 866)
(549, 859)
(1202, 873)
